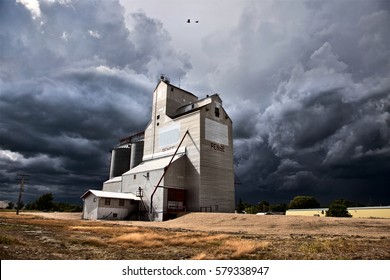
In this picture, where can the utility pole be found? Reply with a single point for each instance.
(22, 178)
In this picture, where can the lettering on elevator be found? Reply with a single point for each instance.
(218, 147)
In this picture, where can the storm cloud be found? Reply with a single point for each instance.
(322, 115)
(74, 79)
(306, 84)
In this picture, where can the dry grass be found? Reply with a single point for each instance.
(197, 236)
(6, 240)
(139, 240)
(336, 246)
(90, 241)
(233, 249)
(216, 246)
(241, 248)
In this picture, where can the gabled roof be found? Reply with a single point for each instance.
(169, 84)
(118, 195)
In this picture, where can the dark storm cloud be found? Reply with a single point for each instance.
(306, 84)
(325, 122)
(73, 80)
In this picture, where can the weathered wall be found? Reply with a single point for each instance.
(108, 212)
(90, 207)
(216, 160)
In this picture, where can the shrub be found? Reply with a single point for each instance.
(338, 208)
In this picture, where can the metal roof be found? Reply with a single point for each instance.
(153, 164)
(114, 180)
(112, 195)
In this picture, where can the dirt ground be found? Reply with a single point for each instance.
(193, 236)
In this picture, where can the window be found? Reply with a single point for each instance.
(94, 199)
(216, 112)
(115, 215)
(147, 175)
(158, 117)
(121, 202)
(107, 201)
(135, 176)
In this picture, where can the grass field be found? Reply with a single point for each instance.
(57, 236)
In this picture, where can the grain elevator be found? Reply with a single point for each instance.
(182, 162)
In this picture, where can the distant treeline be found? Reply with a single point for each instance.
(337, 208)
(46, 203)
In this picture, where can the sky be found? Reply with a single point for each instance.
(306, 84)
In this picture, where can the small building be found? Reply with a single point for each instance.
(4, 204)
(318, 212)
(356, 212)
(182, 162)
(108, 205)
(370, 212)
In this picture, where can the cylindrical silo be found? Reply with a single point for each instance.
(120, 161)
(137, 152)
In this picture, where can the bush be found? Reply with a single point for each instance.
(282, 207)
(338, 208)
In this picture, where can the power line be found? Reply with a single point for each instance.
(22, 179)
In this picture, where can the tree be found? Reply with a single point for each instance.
(251, 209)
(44, 202)
(66, 207)
(263, 206)
(282, 207)
(303, 202)
(240, 206)
(10, 205)
(339, 208)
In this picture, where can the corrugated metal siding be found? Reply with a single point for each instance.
(217, 171)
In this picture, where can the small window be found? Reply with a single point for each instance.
(115, 215)
(158, 124)
(172, 89)
(158, 117)
(121, 202)
(107, 201)
(135, 176)
(147, 175)
(216, 112)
